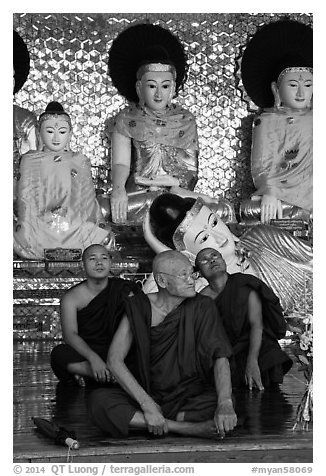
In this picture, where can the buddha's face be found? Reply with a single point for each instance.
(295, 89)
(55, 134)
(156, 89)
(209, 231)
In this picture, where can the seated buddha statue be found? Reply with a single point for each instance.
(277, 75)
(154, 141)
(56, 202)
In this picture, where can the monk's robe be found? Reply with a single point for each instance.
(232, 306)
(173, 362)
(97, 323)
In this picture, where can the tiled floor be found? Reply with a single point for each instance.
(265, 436)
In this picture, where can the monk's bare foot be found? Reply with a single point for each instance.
(203, 429)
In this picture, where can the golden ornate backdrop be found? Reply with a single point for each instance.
(69, 55)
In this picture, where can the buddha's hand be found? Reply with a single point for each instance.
(225, 418)
(270, 208)
(119, 205)
(154, 418)
(157, 181)
(252, 374)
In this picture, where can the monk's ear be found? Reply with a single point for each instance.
(160, 280)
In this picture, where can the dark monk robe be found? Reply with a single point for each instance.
(172, 361)
(232, 306)
(97, 323)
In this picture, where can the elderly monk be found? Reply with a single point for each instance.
(178, 379)
(90, 314)
(253, 320)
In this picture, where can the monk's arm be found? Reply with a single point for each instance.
(255, 317)
(225, 417)
(68, 313)
(118, 351)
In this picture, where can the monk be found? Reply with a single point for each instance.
(178, 379)
(90, 313)
(252, 318)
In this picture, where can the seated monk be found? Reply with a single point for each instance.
(57, 207)
(277, 75)
(252, 318)
(281, 260)
(90, 314)
(179, 378)
(154, 141)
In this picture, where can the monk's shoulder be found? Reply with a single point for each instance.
(202, 302)
(75, 294)
(125, 286)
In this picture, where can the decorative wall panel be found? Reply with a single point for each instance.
(69, 55)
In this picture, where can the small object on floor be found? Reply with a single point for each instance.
(80, 381)
(60, 435)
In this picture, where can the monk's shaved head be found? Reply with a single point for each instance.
(173, 274)
(95, 247)
(169, 262)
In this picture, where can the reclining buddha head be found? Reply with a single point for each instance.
(187, 225)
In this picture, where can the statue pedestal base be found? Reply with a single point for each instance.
(39, 285)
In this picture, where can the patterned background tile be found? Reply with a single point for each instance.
(69, 54)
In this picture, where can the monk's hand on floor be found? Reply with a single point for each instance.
(99, 369)
(252, 375)
(225, 418)
(154, 418)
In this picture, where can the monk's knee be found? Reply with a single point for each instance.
(110, 410)
(58, 360)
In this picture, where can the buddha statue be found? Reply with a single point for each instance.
(154, 140)
(277, 74)
(57, 206)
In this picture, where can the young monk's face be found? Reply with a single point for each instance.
(97, 262)
(210, 263)
(55, 134)
(295, 89)
(156, 89)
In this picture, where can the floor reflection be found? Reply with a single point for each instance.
(266, 412)
(37, 393)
